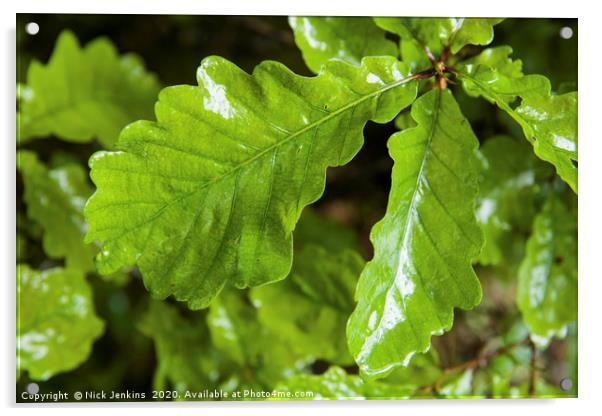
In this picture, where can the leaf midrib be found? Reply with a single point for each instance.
(275, 145)
(412, 206)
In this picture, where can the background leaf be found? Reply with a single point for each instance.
(186, 359)
(547, 280)
(210, 193)
(336, 384)
(260, 357)
(55, 200)
(508, 189)
(56, 322)
(84, 93)
(425, 244)
(320, 287)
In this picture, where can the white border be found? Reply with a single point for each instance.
(590, 154)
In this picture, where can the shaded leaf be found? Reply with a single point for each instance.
(314, 229)
(185, 358)
(346, 38)
(548, 121)
(321, 288)
(260, 356)
(336, 384)
(56, 322)
(55, 200)
(508, 188)
(425, 244)
(547, 279)
(459, 386)
(211, 193)
(424, 370)
(84, 93)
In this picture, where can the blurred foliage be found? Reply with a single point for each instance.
(149, 344)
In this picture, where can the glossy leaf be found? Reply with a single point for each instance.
(548, 121)
(547, 279)
(336, 384)
(508, 188)
(185, 357)
(346, 38)
(55, 200)
(84, 93)
(425, 244)
(433, 34)
(321, 288)
(211, 192)
(56, 322)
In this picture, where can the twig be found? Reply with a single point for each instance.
(481, 360)
(533, 374)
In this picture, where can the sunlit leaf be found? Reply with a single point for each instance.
(56, 322)
(425, 244)
(211, 192)
(547, 280)
(84, 93)
(346, 38)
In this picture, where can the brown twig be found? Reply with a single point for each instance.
(533, 373)
(481, 360)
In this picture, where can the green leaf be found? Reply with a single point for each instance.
(432, 35)
(425, 244)
(321, 288)
(185, 357)
(336, 384)
(499, 58)
(547, 279)
(459, 386)
(471, 31)
(56, 322)
(55, 199)
(508, 188)
(548, 121)
(424, 370)
(314, 229)
(210, 193)
(234, 328)
(84, 93)
(260, 355)
(346, 38)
